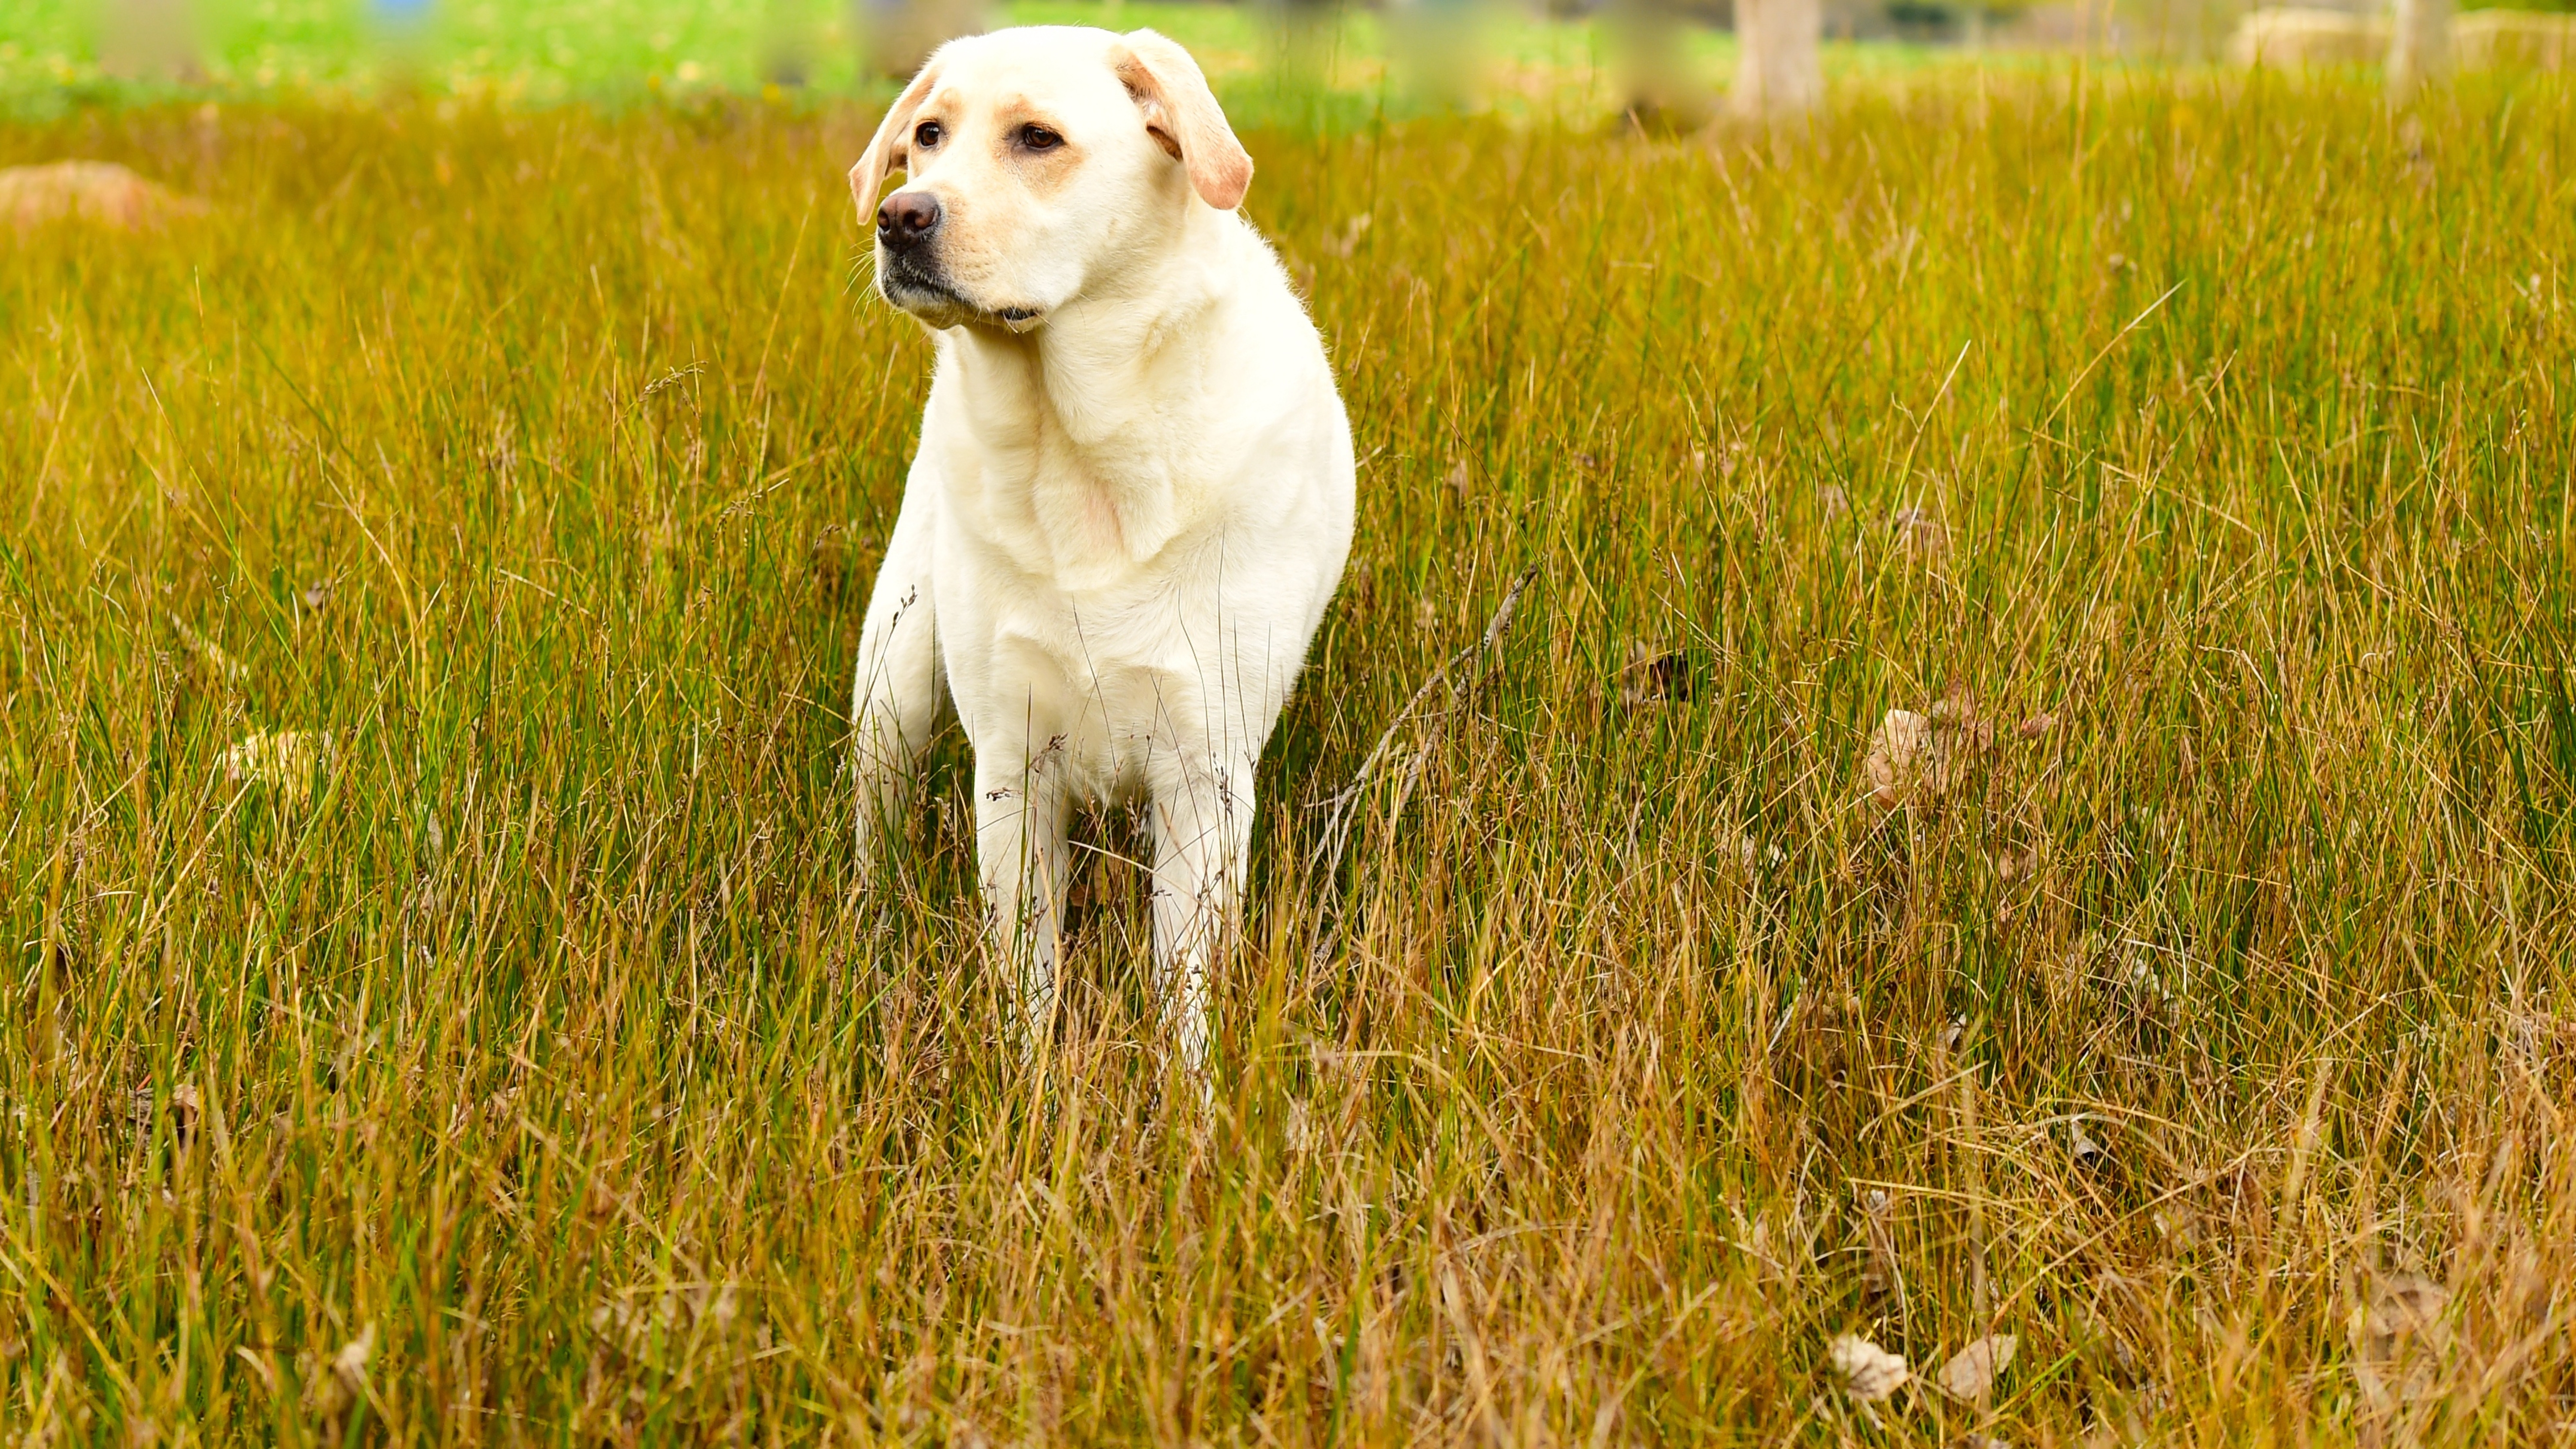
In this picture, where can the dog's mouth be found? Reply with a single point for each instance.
(927, 293)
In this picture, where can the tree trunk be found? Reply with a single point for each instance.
(2418, 45)
(1776, 74)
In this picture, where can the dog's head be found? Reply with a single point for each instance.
(1040, 163)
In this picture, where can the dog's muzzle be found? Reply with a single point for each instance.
(910, 274)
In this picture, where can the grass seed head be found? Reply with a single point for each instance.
(1920, 533)
(1877, 1213)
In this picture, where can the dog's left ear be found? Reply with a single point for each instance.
(890, 148)
(1182, 116)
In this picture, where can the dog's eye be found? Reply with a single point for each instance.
(927, 134)
(1039, 138)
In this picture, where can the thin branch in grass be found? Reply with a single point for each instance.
(769, 336)
(2066, 396)
(1905, 470)
(1340, 807)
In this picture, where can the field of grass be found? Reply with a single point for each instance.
(508, 1055)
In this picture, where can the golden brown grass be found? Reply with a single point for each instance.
(497, 1049)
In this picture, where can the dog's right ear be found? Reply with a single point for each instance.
(1182, 116)
(889, 150)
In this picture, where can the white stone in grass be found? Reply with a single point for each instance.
(286, 762)
(1972, 1373)
(1927, 758)
(101, 193)
(224, 667)
(332, 1386)
(2402, 1340)
(1902, 758)
(1869, 1373)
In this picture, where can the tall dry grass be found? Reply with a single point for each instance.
(440, 1009)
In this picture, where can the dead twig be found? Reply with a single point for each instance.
(1340, 807)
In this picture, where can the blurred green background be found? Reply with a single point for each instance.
(542, 50)
(1335, 69)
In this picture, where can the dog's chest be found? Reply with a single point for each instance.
(1097, 513)
(1083, 513)
(1104, 682)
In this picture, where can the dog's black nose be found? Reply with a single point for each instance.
(906, 218)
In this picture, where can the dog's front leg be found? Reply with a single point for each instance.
(1202, 848)
(897, 696)
(1020, 850)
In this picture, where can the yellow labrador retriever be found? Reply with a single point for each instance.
(1133, 495)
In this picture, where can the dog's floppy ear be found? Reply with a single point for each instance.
(1183, 117)
(889, 149)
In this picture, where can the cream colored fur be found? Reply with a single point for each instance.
(1133, 495)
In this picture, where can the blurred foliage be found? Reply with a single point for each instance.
(629, 51)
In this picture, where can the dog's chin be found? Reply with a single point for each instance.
(937, 303)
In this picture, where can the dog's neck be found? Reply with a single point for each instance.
(1104, 355)
(1105, 398)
